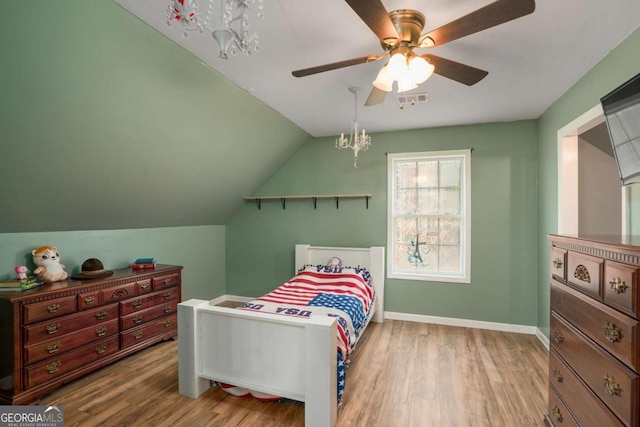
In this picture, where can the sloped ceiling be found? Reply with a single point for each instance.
(107, 124)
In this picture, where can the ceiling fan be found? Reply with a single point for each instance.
(399, 32)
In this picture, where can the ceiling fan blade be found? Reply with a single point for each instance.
(374, 14)
(376, 97)
(493, 14)
(334, 66)
(453, 70)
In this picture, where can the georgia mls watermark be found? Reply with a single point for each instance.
(31, 416)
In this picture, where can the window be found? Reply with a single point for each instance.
(429, 216)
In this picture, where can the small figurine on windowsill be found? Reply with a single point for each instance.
(21, 272)
(49, 267)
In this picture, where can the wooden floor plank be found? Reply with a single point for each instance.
(401, 374)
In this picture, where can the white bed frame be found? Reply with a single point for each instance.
(279, 355)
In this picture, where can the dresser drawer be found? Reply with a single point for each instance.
(617, 333)
(138, 318)
(558, 412)
(167, 281)
(61, 344)
(147, 301)
(57, 366)
(48, 309)
(88, 300)
(144, 286)
(577, 396)
(166, 326)
(621, 287)
(584, 272)
(117, 293)
(615, 384)
(559, 264)
(68, 324)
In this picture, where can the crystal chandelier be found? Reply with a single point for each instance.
(232, 28)
(357, 141)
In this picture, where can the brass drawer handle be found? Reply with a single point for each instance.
(144, 286)
(101, 348)
(53, 367)
(611, 386)
(166, 323)
(557, 336)
(53, 308)
(618, 285)
(119, 293)
(557, 415)
(557, 263)
(167, 295)
(52, 328)
(89, 300)
(137, 303)
(101, 331)
(52, 348)
(101, 315)
(611, 332)
(167, 281)
(557, 375)
(138, 319)
(167, 308)
(137, 334)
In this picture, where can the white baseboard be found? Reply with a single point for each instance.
(464, 323)
(448, 321)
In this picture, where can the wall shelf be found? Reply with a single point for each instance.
(313, 197)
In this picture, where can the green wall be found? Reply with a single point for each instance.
(108, 124)
(200, 249)
(619, 66)
(504, 224)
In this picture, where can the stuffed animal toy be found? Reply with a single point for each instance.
(21, 272)
(47, 260)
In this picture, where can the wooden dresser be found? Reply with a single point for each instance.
(594, 332)
(64, 330)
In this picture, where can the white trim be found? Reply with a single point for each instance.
(463, 323)
(543, 338)
(568, 167)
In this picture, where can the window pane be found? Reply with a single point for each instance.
(449, 259)
(427, 174)
(449, 231)
(450, 173)
(405, 202)
(406, 175)
(405, 230)
(428, 201)
(449, 201)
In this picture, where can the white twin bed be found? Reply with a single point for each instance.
(294, 357)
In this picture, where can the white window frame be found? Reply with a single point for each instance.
(465, 239)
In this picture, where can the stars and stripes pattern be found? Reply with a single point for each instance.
(345, 289)
(345, 293)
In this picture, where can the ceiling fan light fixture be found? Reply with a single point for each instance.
(384, 81)
(419, 69)
(397, 66)
(406, 83)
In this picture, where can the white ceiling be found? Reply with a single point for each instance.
(531, 60)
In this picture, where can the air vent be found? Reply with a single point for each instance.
(411, 99)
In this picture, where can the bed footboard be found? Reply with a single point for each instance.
(280, 355)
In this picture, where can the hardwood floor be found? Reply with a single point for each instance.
(402, 374)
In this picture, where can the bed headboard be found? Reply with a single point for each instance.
(371, 258)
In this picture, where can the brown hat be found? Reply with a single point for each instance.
(92, 269)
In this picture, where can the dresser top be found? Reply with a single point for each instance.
(631, 242)
(121, 274)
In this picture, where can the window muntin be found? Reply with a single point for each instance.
(429, 217)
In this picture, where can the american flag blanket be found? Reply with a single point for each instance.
(344, 293)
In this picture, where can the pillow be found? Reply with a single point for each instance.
(331, 267)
